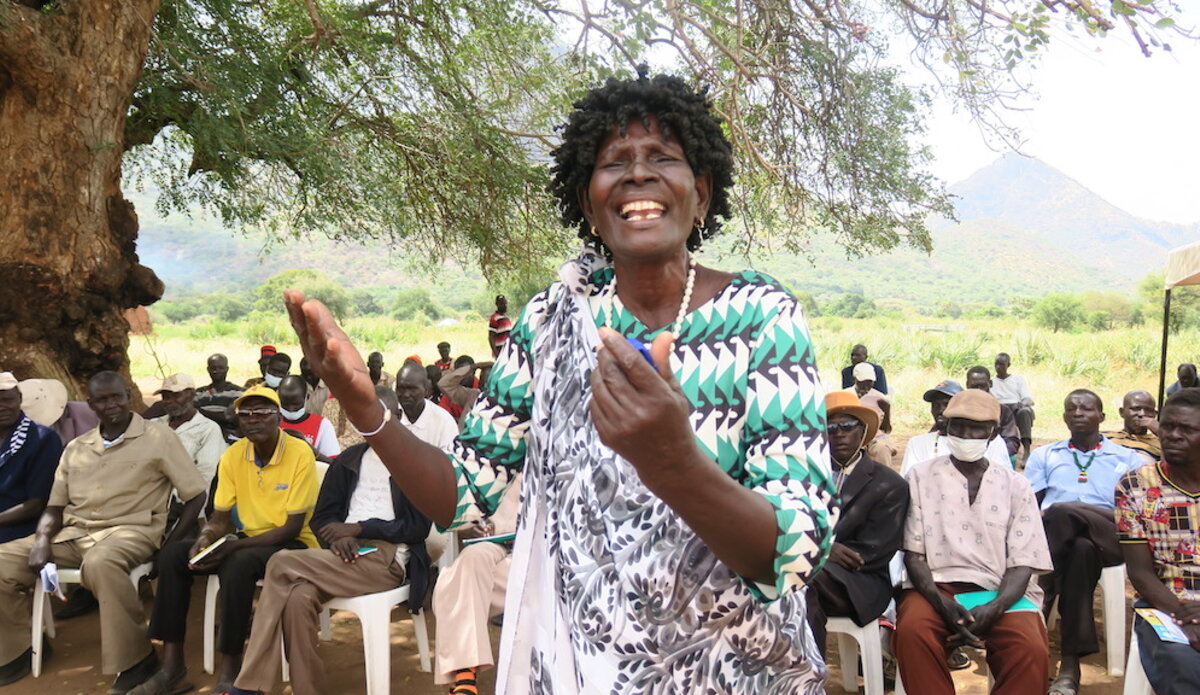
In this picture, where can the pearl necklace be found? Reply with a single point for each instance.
(687, 295)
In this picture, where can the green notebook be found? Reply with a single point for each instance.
(973, 599)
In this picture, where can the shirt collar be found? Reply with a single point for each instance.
(280, 445)
(1106, 445)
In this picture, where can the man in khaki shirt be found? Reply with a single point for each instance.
(108, 506)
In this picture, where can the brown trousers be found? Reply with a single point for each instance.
(1018, 650)
(467, 594)
(106, 564)
(298, 582)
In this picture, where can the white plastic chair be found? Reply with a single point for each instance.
(374, 612)
(43, 618)
(1112, 588)
(1135, 676)
(214, 587)
(850, 638)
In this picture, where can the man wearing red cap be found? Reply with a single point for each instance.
(973, 540)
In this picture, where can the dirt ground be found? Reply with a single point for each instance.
(74, 666)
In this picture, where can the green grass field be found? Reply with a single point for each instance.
(1109, 362)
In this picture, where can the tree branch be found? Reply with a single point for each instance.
(23, 38)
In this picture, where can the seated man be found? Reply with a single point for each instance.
(1158, 518)
(855, 582)
(460, 386)
(1013, 393)
(1186, 378)
(359, 507)
(858, 355)
(932, 444)
(1074, 481)
(316, 430)
(279, 365)
(265, 353)
(215, 399)
(318, 392)
(45, 402)
(28, 457)
(272, 479)
(429, 423)
(978, 377)
(200, 436)
(107, 513)
(880, 448)
(375, 369)
(1140, 432)
(469, 593)
(972, 526)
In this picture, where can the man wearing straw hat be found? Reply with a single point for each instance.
(855, 582)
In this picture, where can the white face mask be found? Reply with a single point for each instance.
(967, 450)
(292, 414)
(272, 380)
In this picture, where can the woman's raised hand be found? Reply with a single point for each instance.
(333, 357)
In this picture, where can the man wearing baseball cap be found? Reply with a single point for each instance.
(855, 581)
(932, 444)
(973, 540)
(272, 479)
(880, 446)
(200, 436)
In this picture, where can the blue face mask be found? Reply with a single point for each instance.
(272, 380)
(293, 414)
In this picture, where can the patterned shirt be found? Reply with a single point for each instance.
(1152, 510)
(647, 602)
(975, 543)
(1145, 445)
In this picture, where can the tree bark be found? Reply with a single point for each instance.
(68, 266)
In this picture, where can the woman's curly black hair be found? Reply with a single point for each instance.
(682, 112)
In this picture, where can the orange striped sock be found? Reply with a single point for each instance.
(464, 682)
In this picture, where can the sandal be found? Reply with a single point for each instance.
(958, 660)
(162, 684)
(1064, 685)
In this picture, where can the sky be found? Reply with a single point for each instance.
(1125, 126)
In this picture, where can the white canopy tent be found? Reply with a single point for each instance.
(1183, 268)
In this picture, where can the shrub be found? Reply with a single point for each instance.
(414, 303)
(1058, 312)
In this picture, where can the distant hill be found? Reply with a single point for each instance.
(1024, 229)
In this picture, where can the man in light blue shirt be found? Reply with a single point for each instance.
(1075, 482)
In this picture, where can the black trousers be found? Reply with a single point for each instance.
(826, 597)
(1083, 541)
(239, 573)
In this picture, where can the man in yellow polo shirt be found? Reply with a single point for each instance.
(272, 479)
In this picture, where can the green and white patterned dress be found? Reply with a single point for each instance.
(610, 592)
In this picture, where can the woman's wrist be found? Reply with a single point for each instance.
(378, 421)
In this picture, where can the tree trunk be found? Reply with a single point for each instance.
(68, 267)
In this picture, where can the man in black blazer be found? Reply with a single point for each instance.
(855, 582)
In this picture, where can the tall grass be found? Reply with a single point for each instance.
(1111, 362)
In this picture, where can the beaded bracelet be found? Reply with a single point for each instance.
(387, 416)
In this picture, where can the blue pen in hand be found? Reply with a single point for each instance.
(644, 349)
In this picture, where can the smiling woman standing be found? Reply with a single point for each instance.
(670, 513)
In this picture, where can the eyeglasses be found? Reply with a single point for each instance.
(835, 427)
(256, 413)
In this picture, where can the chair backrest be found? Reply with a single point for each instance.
(322, 469)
